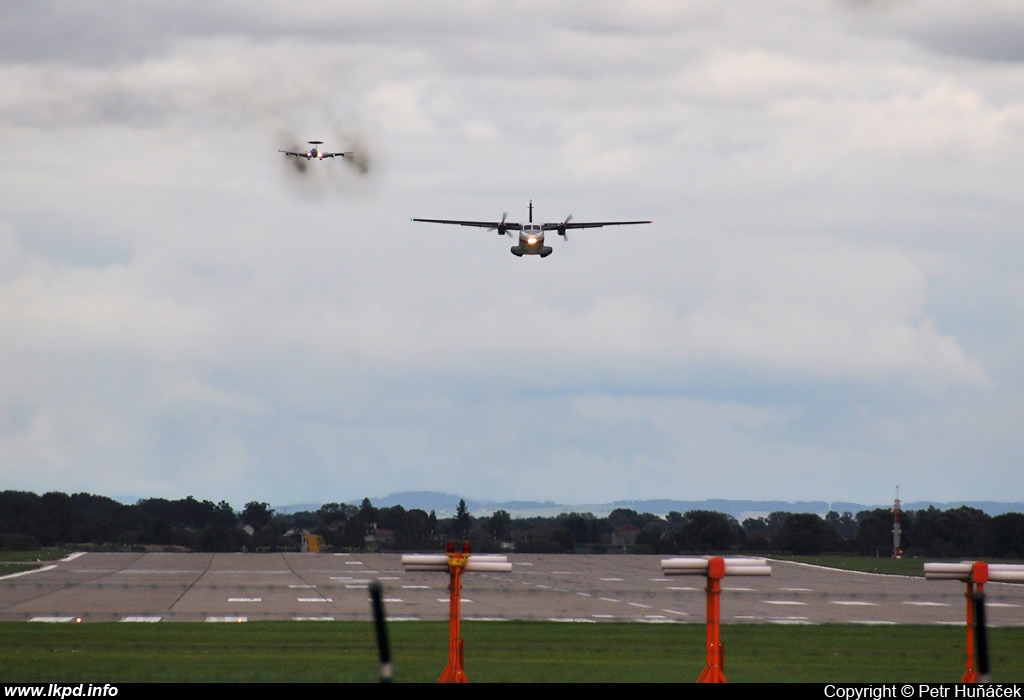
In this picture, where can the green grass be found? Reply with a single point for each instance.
(15, 562)
(494, 652)
(871, 565)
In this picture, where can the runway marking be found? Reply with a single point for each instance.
(324, 618)
(31, 571)
(604, 617)
(417, 587)
(315, 600)
(1001, 605)
(656, 620)
(872, 622)
(681, 588)
(227, 618)
(804, 621)
(797, 590)
(140, 618)
(853, 602)
(784, 602)
(445, 600)
(161, 572)
(610, 600)
(301, 585)
(524, 563)
(245, 600)
(611, 579)
(50, 618)
(73, 556)
(354, 563)
(736, 588)
(675, 612)
(569, 619)
(582, 593)
(641, 605)
(924, 603)
(393, 600)
(541, 585)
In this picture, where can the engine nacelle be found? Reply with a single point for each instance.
(502, 228)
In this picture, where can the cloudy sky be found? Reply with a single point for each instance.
(830, 302)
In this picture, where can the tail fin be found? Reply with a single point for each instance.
(531, 211)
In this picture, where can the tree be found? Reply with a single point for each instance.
(499, 523)
(256, 514)
(463, 520)
(708, 531)
(806, 533)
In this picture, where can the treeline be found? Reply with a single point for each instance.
(29, 521)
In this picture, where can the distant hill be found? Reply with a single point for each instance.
(444, 505)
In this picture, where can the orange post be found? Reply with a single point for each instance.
(453, 672)
(978, 578)
(714, 668)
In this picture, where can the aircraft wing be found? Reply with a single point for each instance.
(331, 155)
(291, 153)
(591, 224)
(510, 226)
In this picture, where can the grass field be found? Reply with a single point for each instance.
(494, 652)
(871, 565)
(16, 562)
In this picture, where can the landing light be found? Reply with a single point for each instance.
(531, 241)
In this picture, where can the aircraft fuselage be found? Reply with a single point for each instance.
(531, 242)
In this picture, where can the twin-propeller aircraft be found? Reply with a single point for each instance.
(531, 235)
(314, 152)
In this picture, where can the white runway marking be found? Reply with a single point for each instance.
(51, 619)
(803, 621)
(315, 600)
(585, 595)
(301, 585)
(393, 600)
(1001, 605)
(417, 587)
(610, 600)
(784, 602)
(682, 588)
(852, 602)
(140, 618)
(31, 571)
(610, 579)
(641, 605)
(245, 600)
(675, 612)
(872, 622)
(797, 590)
(226, 618)
(923, 603)
(326, 618)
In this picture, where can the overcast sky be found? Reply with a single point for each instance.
(830, 302)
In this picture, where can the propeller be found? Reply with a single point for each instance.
(561, 228)
(500, 228)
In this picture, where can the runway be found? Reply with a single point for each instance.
(166, 587)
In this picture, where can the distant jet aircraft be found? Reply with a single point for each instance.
(315, 153)
(531, 235)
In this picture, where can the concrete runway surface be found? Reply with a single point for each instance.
(159, 587)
